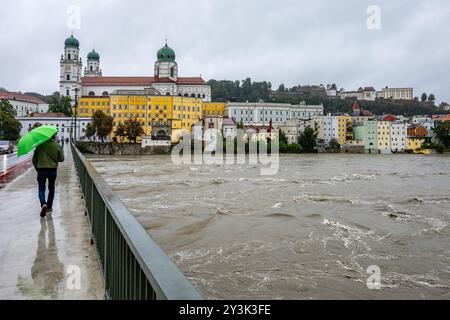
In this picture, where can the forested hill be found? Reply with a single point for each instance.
(248, 90)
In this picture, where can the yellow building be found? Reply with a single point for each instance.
(155, 112)
(342, 129)
(88, 105)
(384, 136)
(213, 108)
(318, 124)
(414, 143)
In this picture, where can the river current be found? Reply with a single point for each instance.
(309, 232)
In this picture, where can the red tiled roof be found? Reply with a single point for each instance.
(190, 80)
(390, 118)
(20, 97)
(117, 81)
(356, 106)
(48, 115)
(443, 118)
(228, 122)
(138, 81)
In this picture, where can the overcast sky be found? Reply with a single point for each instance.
(294, 42)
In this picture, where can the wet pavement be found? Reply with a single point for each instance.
(49, 258)
(12, 166)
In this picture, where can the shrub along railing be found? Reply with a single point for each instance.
(133, 266)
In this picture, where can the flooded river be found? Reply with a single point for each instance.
(310, 232)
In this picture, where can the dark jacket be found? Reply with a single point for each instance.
(47, 155)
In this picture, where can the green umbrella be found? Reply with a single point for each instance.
(34, 138)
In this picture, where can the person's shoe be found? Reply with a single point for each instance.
(43, 211)
(49, 210)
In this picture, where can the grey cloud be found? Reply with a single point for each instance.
(307, 42)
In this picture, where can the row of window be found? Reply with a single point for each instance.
(144, 107)
(98, 103)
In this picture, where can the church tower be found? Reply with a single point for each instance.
(93, 65)
(70, 72)
(166, 66)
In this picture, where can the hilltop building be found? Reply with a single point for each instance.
(24, 104)
(165, 78)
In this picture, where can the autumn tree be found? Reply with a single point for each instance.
(133, 129)
(102, 123)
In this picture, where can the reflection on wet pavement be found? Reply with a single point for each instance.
(36, 254)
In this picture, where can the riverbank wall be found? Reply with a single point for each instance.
(126, 149)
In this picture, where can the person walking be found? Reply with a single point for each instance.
(45, 160)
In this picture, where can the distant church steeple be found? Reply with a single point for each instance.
(70, 69)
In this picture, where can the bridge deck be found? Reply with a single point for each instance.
(41, 258)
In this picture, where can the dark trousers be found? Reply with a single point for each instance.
(42, 179)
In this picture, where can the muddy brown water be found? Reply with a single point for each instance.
(309, 232)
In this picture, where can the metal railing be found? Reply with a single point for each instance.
(133, 266)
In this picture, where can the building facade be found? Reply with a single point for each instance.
(229, 128)
(367, 94)
(384, 136)
(213, 108)
(24, 104)
(260, 113)
(399, 133)
(87, 106)
(371, 136)
(165, 78)
(396, 93)
(160, 115)
(65, 125)
(70, 69)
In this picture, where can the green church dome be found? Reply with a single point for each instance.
(72, 42)
(166, 54)
(93, 55)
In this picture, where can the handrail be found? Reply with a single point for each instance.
(132, 263)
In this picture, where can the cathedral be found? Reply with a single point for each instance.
(165, 80)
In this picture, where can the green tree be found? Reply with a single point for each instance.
(102, 123)
(60, 105)
(283, 138)
(334, 144)
(7, 108)
(121, 131)
(9, 127)
(240, 125)
(424, 97)
(133, 129)
(90, 131)
(308, 140)
(442, 131)
(281, 88)
(431, 97)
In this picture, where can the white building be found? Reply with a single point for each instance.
(24, 104)
(165, 78)
(331, 90)
(70, 69)
(294, 127)
(365, 94)
(229, 128)
(64, 124)
(396, 93)
(330, 128)
(399, 134)
(260, 113)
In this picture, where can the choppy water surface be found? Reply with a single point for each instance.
(309, 232)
